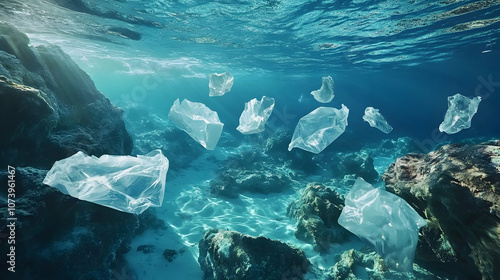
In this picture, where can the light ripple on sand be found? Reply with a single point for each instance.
(190, 210)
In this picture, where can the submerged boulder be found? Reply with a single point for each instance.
(276, 147)
(457, 189)
(317, 211)
(250, 172)
(60, 237)
(49, 106)
(150, 131)
(263, 182)
(359, 164)
(231, 255)
(345, 267)
(353, 265)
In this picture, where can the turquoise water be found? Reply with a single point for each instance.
(402, 57)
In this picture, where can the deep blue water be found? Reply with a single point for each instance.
(412, 99)
(402, 57)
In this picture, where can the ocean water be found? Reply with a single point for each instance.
(402, 57)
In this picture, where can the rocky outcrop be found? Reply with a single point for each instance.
(276, 147)
(317, 211)
(230, 255)
(359, 164)
(251, 172)
(457, 189)
(50, 108)
(57, 235)
(354, 265)
(151, 132)
(170, 254)
(231, 184)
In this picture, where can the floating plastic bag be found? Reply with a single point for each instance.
(383, 220)
(459, 115)
(125, 183)
(375, 119)
(254, 117)
(219, 84)
(325, 93)
(197, 120)
(318, 129)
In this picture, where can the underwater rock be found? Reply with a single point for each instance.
(318, 129)
(457, 189)
(254, 117)
(49, 106)
(459, 115)
(146, 248)
(353, 265)
(375, 119)
(125, 183)
(344, 268)
(225, 186)
(317, 211)
(149, 220)
(384, 221)
(219, 84)
(59, 236)
(276, 147)
(169, 254)
(174, 143)
(150, 132)
(197, 120)
(231, 184)
(232, 255)
(250, 172)
(359, 164)
(325, 93)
